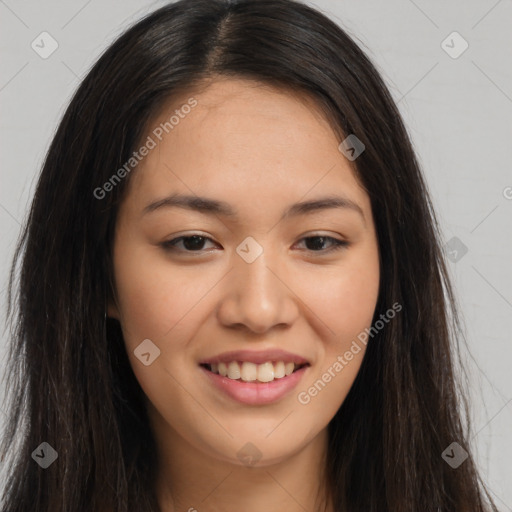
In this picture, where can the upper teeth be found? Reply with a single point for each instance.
(249, 372)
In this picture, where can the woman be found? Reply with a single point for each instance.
(265, 370)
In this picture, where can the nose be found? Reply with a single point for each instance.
(258, 296)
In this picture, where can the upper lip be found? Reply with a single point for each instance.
(252, 356)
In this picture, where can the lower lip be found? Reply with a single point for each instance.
(256, 393)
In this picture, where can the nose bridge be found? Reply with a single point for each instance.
(255, 295)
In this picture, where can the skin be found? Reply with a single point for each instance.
(261, 150)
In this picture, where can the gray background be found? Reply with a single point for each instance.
(459, 115)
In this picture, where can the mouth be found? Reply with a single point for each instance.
(246, 371)
(254, 384)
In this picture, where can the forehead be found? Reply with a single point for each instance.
(242, 142)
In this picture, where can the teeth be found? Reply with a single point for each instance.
(266, 372)
(288, 368)
(250, 372)
(233, 370)
(279, 370)
(223, 369)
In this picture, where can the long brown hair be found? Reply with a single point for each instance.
(69, 379)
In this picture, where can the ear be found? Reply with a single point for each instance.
(111, 296)
(112, 310)
(112, 307)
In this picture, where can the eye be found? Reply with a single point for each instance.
(192, 243)
(195, 243)
(320, 240)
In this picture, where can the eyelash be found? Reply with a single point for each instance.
(337, 244)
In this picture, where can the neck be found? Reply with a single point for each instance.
(190, 480)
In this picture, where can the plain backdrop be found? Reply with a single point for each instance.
(458, 109)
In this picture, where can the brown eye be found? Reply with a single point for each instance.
(193, 243)
(319, 241)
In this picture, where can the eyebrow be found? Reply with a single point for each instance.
(214, 207)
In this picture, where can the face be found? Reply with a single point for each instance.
(256, 287)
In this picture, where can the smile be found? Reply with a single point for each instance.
(251, 372)
(254, 392)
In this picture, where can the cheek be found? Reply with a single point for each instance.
(156, 297)
(160, 302)
(343, 297)
(346, 305)
(344, 300)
